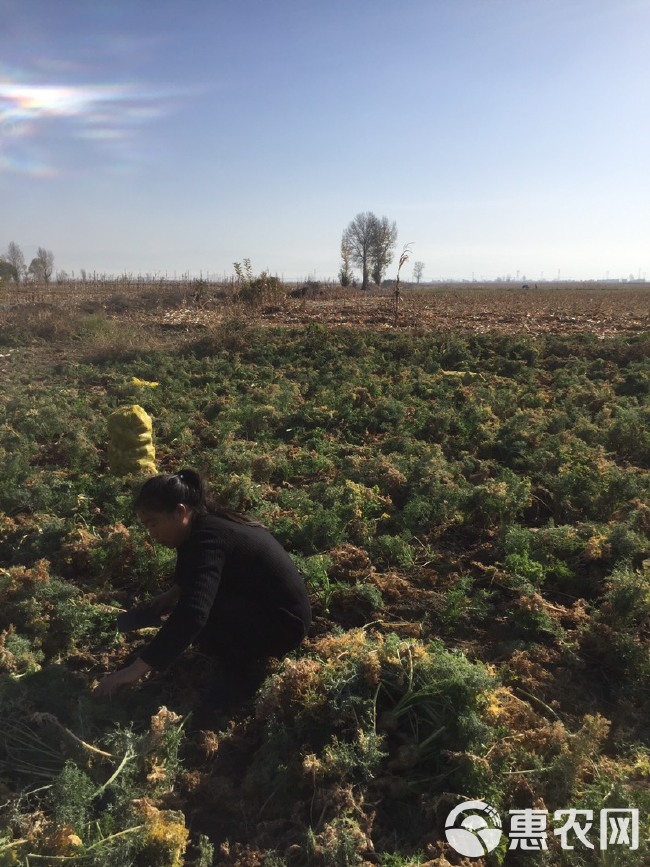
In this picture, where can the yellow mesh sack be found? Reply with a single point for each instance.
(130, 446)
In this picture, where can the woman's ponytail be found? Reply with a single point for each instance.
(195, 490)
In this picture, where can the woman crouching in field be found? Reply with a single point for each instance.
(236, 593)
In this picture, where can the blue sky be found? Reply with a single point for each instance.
(502, 136)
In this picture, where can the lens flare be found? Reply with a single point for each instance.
(39, 123)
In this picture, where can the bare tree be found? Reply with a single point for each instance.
(383, 248)
(47, 258)
(370, 243)
(35, 270)
(14, 256)
(418, 268)
(7, 270)
(358, 238)
(345, 274)
(42, 265)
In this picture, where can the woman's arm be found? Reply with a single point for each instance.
(164, 602)
(111, 683)
(199, 568)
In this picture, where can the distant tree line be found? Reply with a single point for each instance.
(14, 268)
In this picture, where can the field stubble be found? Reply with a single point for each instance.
(596, 308)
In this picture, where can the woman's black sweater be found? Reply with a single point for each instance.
(219, 562)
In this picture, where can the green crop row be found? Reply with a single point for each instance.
(471, 516)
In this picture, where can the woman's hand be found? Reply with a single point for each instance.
(164, 602)
(117, 680)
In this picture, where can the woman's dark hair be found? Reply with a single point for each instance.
(164, 492)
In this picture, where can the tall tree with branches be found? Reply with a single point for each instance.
(42, 265)
(358, 239)
(369, 242)
(383, 248)
(14, 256)
(345, 272)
